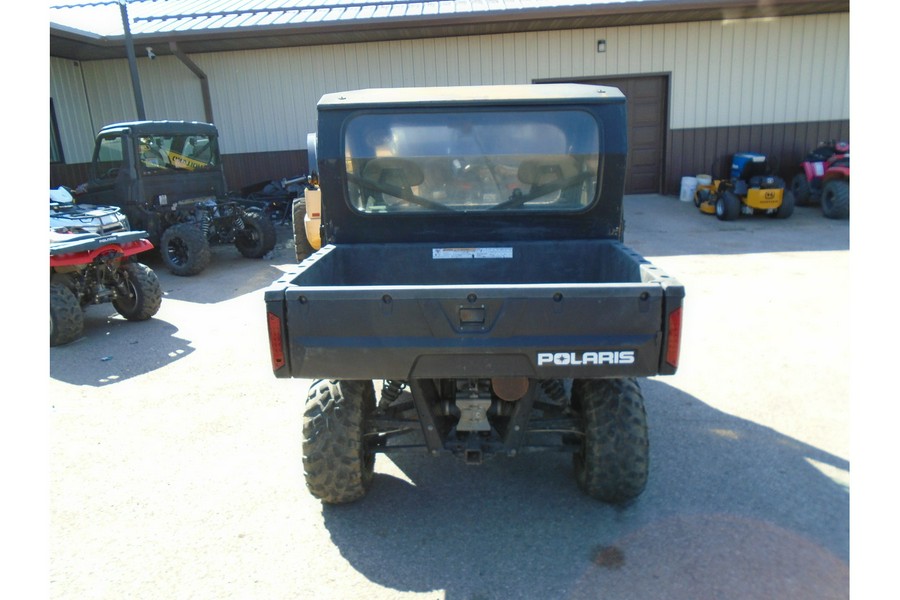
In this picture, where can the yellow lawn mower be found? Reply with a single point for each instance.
(751, 189)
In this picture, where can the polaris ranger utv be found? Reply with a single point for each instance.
(167, 178)
(472, 262)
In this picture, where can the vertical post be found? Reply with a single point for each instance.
(132, 62)
(204, 81)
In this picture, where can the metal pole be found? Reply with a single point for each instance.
(204, 81)
(132, 63)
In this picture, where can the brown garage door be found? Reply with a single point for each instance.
(646, 97)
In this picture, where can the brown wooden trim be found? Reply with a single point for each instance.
(688, 152)
(694, 151)
(241, 170)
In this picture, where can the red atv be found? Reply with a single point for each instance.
(830, 162)
(89, 268)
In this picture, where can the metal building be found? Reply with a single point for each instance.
(703, 78)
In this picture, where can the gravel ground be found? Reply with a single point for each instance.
(174, 465)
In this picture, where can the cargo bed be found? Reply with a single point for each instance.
(537, 309)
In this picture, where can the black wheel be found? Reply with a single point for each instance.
(302, 246)
(184, 249)
(139, 297)
(614, 460)
(66, 318)
(786, 209)
(801, 189)
(728, 206)
(836, 199)
(258, 236)
(337, 463)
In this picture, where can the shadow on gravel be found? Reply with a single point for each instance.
(732, 510)
(228, 275)
(112, 349)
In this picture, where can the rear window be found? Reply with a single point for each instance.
(472, 161)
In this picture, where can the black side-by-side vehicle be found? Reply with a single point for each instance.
(472, 264)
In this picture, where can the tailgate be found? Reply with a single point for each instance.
(553, 330)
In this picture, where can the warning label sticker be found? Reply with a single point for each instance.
(441, 253)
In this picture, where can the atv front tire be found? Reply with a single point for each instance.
(140, 296)
(613, 462)
(258, 236)
(66, 317)
(184, 249)
(336, 462)
(836, 199)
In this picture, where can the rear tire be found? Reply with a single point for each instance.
(302, 247)
(66, 317)
(336, 462)
(184, 249)
(836, 199)
(144, 295)
(613, 463)
(258, 236)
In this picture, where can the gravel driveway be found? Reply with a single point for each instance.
(175, 467)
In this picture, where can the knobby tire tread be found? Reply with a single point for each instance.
(258, 237)
(198, 252)
(148, 294)
(337, 467)
(613, 463)
(66, 316)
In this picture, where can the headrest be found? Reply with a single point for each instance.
(400, 172)
(544, 171)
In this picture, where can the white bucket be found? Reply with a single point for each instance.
(704, 180)
(688, 187)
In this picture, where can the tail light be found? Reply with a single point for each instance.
(673, 343)
(276, 347)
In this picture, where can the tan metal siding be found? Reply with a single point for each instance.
(756, 71)
(723, 74)
(70, 104)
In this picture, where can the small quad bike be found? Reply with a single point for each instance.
(68, 217)
(750, 189)
(90, 268)
(809, 183)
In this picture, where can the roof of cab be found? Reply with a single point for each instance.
(549, 93)
(163, 127)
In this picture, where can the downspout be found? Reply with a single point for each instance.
(132, 63)
(204, 81)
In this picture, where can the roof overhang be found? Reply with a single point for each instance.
(73, 44)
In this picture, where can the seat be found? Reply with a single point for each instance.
(544, 171)
(392, 171)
